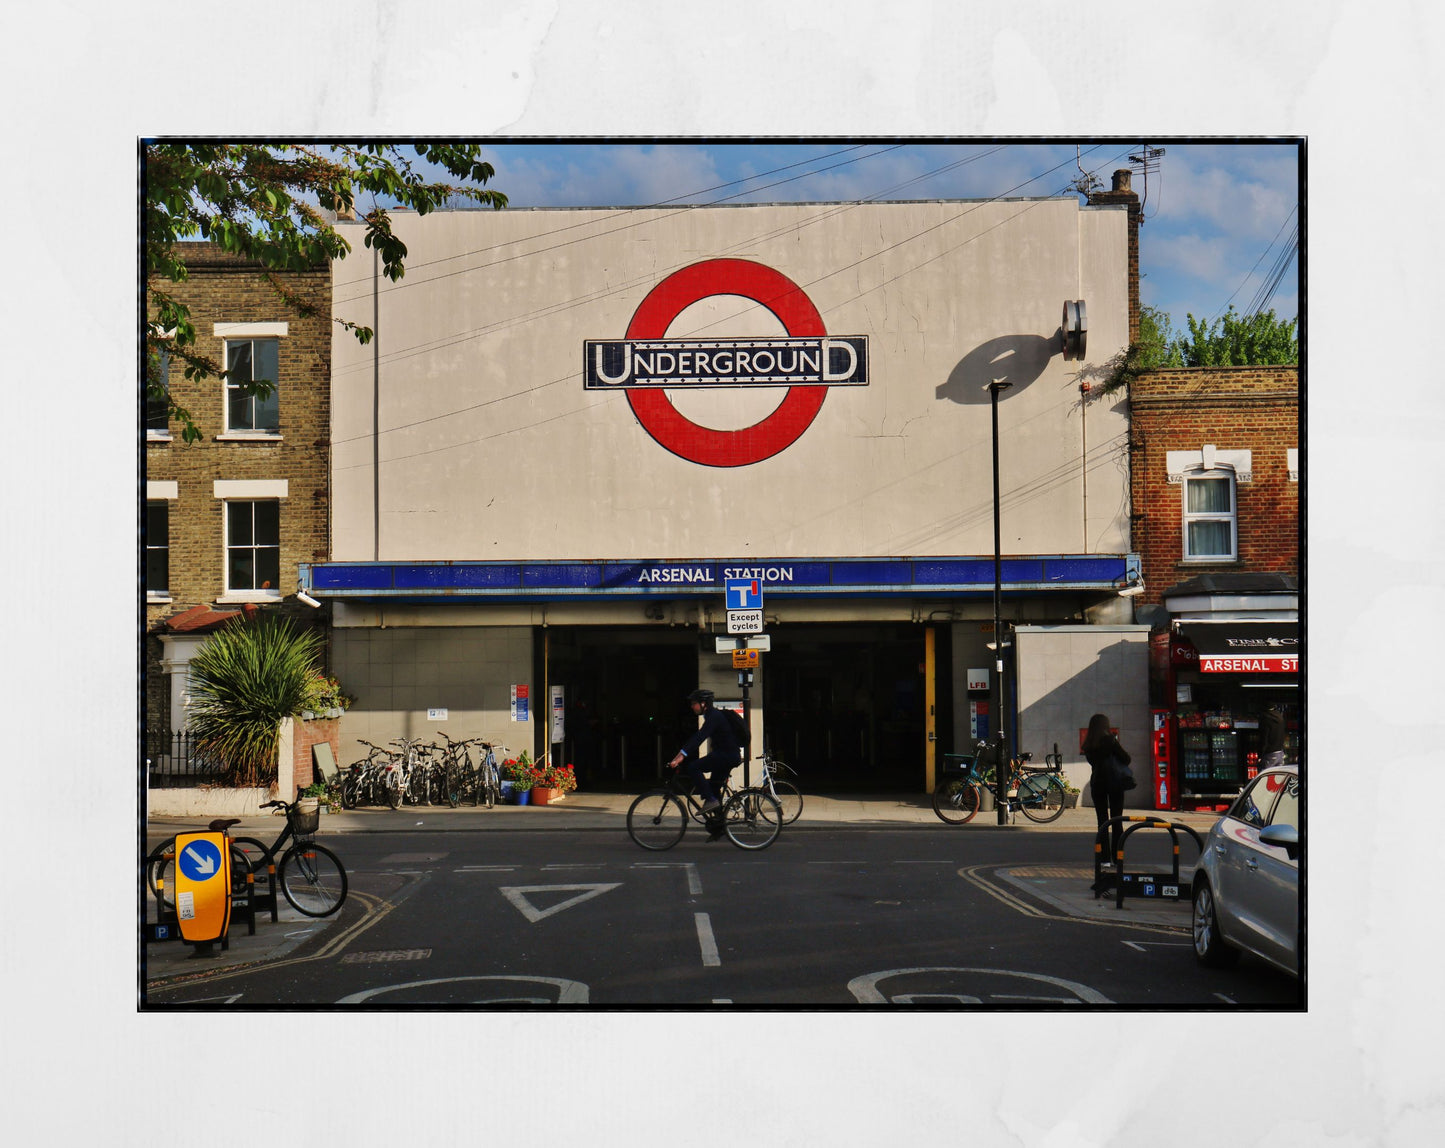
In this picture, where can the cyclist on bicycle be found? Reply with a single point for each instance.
(711, 770)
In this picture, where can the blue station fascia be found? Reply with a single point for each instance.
(814, 577)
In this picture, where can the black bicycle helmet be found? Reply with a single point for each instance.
(704, 696)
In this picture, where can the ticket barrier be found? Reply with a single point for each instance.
(1161, 886)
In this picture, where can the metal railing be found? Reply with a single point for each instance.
(172, 762)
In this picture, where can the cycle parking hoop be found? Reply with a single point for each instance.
(1161, 886)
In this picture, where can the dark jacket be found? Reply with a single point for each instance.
(1271, 728)
(1101, 758)
(717, 729)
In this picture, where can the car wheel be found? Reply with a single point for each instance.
(1209, 944)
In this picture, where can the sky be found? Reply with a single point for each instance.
(1219, 217)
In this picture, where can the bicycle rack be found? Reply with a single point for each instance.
(255, 900)
(1160, 886)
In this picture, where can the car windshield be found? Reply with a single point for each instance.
(1286, 810)
(1252, 806)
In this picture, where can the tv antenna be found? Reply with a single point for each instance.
(1145, 162)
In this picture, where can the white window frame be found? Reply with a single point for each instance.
(232, 491)
(1209, 462)
(230, 333)
(1217, 474)
(159, 491)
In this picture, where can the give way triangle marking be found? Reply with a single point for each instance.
(517, 894)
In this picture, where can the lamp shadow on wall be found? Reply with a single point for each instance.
(1018, 359)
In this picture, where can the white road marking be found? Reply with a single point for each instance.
(694, 882)
(485, 869)
(1225, 999)
(706, 941)
(517, 894)
(1159, 945)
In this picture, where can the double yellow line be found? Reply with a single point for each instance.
(376, 910)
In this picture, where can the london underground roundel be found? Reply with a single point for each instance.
(766, 287)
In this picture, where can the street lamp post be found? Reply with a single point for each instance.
(1000, 776)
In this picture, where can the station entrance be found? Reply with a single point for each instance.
(844, 704)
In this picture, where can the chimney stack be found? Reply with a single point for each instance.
(1123, 193)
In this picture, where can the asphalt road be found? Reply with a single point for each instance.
(826, 918)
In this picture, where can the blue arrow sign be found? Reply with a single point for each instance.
(744, 594)
(200, 860)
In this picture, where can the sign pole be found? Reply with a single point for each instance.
(1000, 754)
(744, 678)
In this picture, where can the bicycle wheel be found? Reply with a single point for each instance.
(156, 868)
(493, 788)
(656, 820)
(955, 801)
(1041, 797)
(395, 787)
(753, 819)
(253, 856)
(313, 879)
(790, 799)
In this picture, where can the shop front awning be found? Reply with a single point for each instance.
(1244, 647)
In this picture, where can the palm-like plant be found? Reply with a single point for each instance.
(244, 680)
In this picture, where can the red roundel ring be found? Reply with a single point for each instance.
(768, 288)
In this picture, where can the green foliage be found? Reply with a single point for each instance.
(247, 677)
(1231, 340)
(1235, 340)
(326, 694)
(1156, 347)
(266, 202)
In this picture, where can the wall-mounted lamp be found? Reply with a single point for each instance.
(1133, 587)
(302, 596)
(1076, 329)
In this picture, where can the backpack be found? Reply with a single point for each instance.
(737, 725)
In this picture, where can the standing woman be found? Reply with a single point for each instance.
(1102, 749)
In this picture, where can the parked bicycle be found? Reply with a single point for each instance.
(310, 876)
(1037, 791)
(657, 819)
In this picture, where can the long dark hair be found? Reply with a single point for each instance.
(1097, 732)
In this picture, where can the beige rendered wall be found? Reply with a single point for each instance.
(491, 448)
(1066, 674)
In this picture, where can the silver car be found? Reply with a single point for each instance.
(1246, 887)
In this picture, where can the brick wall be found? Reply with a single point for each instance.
(1234, 408)
(1123, 193)
(225, 288)
(307, 734)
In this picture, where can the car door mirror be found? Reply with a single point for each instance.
(1284, 837)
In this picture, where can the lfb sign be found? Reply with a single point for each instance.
(807, 361)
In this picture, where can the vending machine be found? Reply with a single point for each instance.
(1161, 754)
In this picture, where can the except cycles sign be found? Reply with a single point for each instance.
(808, 361)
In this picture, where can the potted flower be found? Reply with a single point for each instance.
(518, 771)
(308, 800)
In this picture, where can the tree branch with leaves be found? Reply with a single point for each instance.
(276, 204)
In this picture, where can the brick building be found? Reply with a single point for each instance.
(228, 518)
(1214, 484)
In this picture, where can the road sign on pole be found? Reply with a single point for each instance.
(744, 594)
(745, 621)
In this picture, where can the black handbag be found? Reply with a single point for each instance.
(1123, 775)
